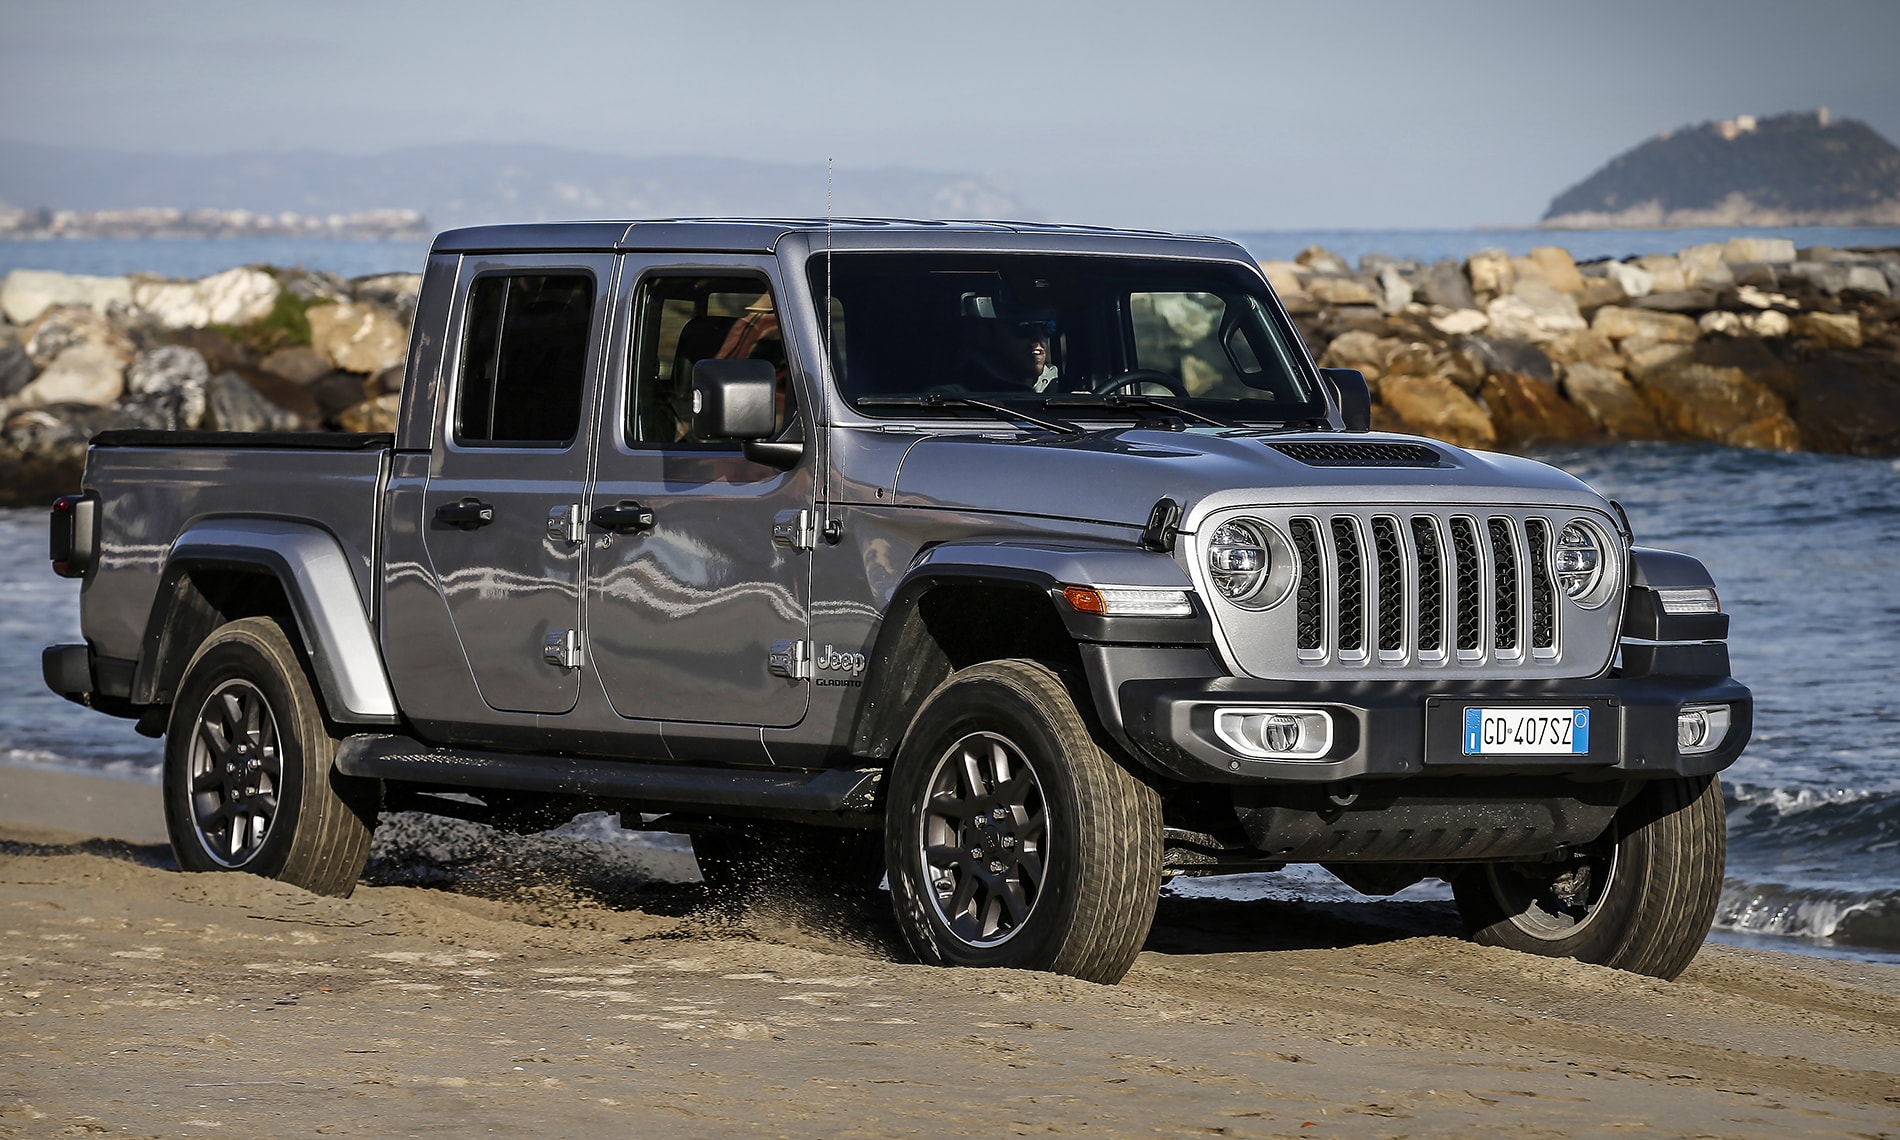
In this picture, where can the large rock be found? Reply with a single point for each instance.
(1535, 311)
(90, 374)
(299, 363)
(16, 369)
(235, 406)
(66, 326)
(333, 392)
(1643, 357)
(1491, 273)
(372, 415)
(1319, 259)
(1583, 346)
(363, 338)
(166, 368)
(1829, 330)
(1596, 293)
(1445, 283)
(1343, 291)
(1360, 349)
(1460, 322)
(1829, 277)
(1436, 407)
(1867, 279)
(394, 291)
(1620, 323)
(1557, 268)
(315, 285)
(1525, 411)
(1485, 355)
(1706, 266)
(293, 397)
(30, 292)
(1634, 279)
(1665, 272)
(1849, 402)
(1610, 400)
(43, 450)
(1738, 250)
(221, 353)
(234, 297)
(1395, 292)
(1284, 276)
(1722, 405)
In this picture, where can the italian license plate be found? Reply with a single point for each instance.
(1523, 731)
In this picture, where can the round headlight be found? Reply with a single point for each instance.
(1578, 561)
(1237, 559)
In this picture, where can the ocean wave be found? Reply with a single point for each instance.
(1825, 915)
(49, 761)
(1793, 801)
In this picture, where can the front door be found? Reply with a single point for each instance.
(684, 611)
(506, 484)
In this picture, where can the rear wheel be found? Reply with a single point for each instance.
(1640, 898)
(1012, 839)
(248, 779)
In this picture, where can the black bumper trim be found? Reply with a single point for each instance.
(1381, 726)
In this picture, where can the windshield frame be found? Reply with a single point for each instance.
(1106, 285)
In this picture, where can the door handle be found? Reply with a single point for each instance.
(469, 514)
(624, 517)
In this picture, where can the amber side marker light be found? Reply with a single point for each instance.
(1085, 599)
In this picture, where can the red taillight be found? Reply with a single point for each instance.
(71, 535)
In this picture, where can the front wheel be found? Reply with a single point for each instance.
(1640, 898)
(1012, 839)
(248, 781)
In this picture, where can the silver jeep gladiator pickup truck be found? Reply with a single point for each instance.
(1028, 564)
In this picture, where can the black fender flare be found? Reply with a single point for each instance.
(310, 566)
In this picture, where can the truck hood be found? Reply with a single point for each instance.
(1117, 476)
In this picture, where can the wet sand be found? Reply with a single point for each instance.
(559, 986)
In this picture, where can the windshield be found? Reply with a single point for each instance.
(1033, 330)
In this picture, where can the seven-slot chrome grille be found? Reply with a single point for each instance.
(1418, 590)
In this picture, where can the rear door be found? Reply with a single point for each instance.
(506, 483)
(685, 614)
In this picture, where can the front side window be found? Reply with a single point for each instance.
(1045, 330)
(686, 319)
(524, 360)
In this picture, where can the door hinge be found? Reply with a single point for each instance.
(794, 529)
(562, 649)
(789, 659)
(565, 524)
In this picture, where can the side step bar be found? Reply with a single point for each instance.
(670, 787)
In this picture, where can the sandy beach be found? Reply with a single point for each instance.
(555, 986)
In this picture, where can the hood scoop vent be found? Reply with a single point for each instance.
(1316, 453)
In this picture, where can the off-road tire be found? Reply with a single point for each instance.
(248, 779)
(1080, 840)
(1656, 879)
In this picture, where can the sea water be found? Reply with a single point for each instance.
(192, 258)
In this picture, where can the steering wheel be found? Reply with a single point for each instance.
(1138, 376)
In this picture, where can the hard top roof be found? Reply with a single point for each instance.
(762, 235)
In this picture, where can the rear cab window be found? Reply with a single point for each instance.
(524, 359)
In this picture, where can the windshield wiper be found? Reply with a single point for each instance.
(1131, 400)
(946, 400)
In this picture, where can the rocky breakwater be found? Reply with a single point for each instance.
(250, 349)
(1750, 343)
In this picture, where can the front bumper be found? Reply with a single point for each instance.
(1412, 728)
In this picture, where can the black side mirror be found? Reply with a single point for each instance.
(1350, 391)
(734, 399)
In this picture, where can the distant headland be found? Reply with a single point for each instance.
(1801, 169)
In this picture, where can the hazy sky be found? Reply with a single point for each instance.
(1178, 114)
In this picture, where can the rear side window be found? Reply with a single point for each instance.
(524, 362)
